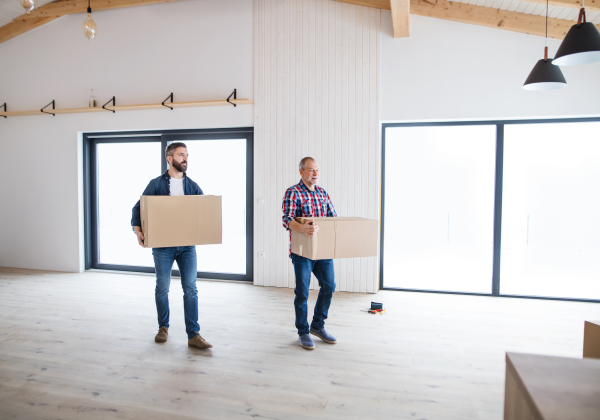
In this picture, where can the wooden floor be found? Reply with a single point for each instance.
(81, 346)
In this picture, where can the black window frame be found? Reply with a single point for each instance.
(90, 185)
(497, 235)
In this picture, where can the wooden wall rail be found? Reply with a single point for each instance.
(126, 108)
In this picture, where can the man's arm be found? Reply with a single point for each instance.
(136, 220)
(289, 212)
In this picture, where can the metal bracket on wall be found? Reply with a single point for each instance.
(4, 106)
(109, 101)
(234, 94)
(51, 103)
(168, 97)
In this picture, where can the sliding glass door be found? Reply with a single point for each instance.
(219, 167)
(118, 168)
(551, 210)
(504, 208)
(439, 207)
(123, 171)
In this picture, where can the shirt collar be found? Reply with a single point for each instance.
(301, 183)
(167, 176)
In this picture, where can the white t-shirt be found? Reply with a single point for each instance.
(177, 186)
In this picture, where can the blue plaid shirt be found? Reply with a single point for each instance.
(299, 201)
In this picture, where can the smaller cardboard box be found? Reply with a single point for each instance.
(181, 220)
(338, 237)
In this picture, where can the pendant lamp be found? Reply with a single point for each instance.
(89, 27)
(28, 5)
(545, 75)
(581, 45)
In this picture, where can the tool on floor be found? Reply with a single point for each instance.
(376, 305)
(376, 308)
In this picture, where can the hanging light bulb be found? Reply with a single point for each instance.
(581, 45)
(28, 5)
(545, 76)
(89, 27)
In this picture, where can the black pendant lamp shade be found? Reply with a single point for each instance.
(545, 76)
(581, 45)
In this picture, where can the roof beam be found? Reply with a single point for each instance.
(69, 7)
(590, 5)
(481, 16)
(51, 11)
(401, 18)
(19, 27)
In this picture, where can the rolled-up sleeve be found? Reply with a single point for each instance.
(289, 208)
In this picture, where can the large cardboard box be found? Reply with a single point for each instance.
(338, 237)
(591, 339)
(551, 388)
(181, 220)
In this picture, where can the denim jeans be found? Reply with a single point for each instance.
(324, 273)
(186, 261)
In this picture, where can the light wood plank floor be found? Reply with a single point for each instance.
(81, 346)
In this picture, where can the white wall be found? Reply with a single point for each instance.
(316, 94)
(449, 70)
(200, 50)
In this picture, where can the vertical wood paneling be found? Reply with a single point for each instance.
(344, 140)
(316, 93)
(279, 140)
(273, 251)
(259, 141)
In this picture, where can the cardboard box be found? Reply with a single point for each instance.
(181, 220)
(338, 237)
(591, 339)
(551, 388)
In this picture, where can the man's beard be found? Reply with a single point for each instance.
(310, 181)
(179, 166)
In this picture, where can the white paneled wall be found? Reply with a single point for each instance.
(316, 77)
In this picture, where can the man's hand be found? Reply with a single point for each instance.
(310, 228)
(140, 236)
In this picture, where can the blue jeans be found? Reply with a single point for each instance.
(188, 267)
(324, 273)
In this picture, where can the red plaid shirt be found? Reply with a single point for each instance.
(299, 201)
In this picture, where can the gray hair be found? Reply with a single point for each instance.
(170, 150)
(304, 161)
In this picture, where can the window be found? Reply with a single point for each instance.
(118, 168)
(504, 208)
(551, 210)
(440, 207)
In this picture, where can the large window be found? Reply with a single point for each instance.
(499, 208)
(119, 166)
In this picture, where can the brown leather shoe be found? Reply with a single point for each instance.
(162, 335)
(199, 342)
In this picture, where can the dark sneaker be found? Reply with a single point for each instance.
(323, 335)
(306, 342)
(199, 342)
(162, 335)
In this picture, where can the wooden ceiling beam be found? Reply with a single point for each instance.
(401, 18)
(70, 7)
(590, 5)
(481, 16)
(51, 11)
(19, 27)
